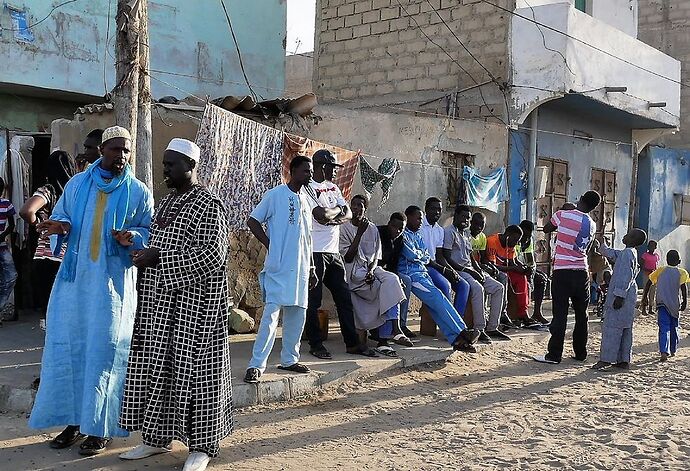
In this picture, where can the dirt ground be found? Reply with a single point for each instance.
(492, 410)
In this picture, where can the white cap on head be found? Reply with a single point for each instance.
(185, 147)
(115, 131)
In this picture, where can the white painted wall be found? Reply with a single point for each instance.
(588, 69)
(621, 14)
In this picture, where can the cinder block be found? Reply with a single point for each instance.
(343, 34)
(244, 395)
(336, 23)
(346, 9)
(274, 391)
(406, 85)
(380, 4)
(361, 30)
(380, 27)
(371, 16)
(390, 13)
(427, 84)
(384, 88)
(304, 385)
(362, 6)
(353, 20)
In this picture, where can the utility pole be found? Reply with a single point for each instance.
(144, 161)
(126, 91)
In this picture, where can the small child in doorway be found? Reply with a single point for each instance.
(669, 281)
(619, 309)
(649, 262)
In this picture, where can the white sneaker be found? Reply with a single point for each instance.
(543, 359)
(196, 461)
(143, 451)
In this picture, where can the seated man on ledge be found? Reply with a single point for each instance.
(414, 259)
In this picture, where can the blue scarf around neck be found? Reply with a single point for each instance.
(118, 186)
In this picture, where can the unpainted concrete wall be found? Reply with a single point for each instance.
(370, 48)
(418, 143)
(665, 25)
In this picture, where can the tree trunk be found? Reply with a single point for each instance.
(126, 91)
(144, 161)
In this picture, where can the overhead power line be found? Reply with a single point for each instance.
(239, 53)
(555, 30)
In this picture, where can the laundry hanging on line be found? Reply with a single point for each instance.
(485, 191)
(385, 175)
(296, 145)
(240, 160)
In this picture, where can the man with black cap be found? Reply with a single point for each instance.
(330, 211)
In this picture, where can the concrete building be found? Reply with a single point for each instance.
(664, 179)
(67, 58)
(299, 72)
(579, 94)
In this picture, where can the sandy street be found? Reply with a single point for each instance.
(494, 410)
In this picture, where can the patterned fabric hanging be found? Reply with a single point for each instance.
(296, 145)
(240, 161)
(385, 174)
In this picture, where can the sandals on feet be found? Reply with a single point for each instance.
(67, 437)
(321, 353)
(364, 351)
(93, 445)
(387, 351)
(295, 368)
(402, 339)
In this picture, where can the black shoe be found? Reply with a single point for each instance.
(321, 353)
(484, 338)
(507, 323)
(295, 368)
(66, 438)
(466, 348)
(408, 333)
(497, 335)
(93, 445)
(577, 358)
(252, 376)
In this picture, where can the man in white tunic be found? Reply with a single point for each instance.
(288, 270)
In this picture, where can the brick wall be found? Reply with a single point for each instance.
(665, 25)
(373, 48)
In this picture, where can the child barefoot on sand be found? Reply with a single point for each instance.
(619, 310)
(669, 281)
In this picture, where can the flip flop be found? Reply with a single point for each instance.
(386, 351)
(402, 339)
(366, 352)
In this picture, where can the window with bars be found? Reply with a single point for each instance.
(453, 164)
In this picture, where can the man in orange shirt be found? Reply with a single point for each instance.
(500, 253)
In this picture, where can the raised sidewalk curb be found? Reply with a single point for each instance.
(22, 346)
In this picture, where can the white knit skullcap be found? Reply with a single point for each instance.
(115, 131)
(185, 147)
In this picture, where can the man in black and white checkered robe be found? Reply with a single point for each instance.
(178, 381)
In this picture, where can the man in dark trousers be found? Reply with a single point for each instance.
(330, 210)
(575, 230)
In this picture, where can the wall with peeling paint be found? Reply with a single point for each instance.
(664, 173)
(418, 143)
(191, 47)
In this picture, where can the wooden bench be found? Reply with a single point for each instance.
(428, 327)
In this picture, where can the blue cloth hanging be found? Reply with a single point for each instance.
(485, 191)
